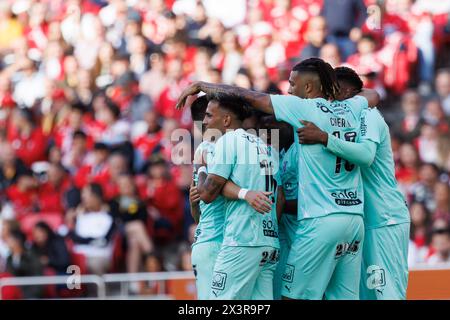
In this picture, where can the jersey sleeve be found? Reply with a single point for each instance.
(224, 157)
(371, 125)
(359, 153)
(292, 109)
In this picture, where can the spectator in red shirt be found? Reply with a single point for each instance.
(96, 170)
(24, 195)
(52, 193)
(165, 211)
(168, 98)
(26, 137)
(366, 58)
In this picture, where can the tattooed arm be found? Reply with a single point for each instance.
(209, 186)
(258, 100)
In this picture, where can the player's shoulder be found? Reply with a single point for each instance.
(373, 113)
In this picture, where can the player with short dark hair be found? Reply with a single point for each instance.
(386, 216)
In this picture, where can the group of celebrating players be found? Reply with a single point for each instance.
(315, 215)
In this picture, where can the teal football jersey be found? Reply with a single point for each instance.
(289, 172)
(212, 217)
(327, 184)
(247, 161)
(384, 202)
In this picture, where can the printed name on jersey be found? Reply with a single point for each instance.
(347, 248)
(346, 198)
(363, 128)
(340, 123)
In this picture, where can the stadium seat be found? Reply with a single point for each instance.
(28, 221)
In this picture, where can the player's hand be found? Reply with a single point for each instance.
(194, 196)
(311, 134)
(193, 89)
(259, 200)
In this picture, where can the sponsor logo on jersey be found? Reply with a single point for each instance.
(269, 229)
(288, 274)
(219, 280)
(346, 198)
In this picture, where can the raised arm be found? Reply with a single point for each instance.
(258, 100)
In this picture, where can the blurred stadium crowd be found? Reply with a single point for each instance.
(87, 95)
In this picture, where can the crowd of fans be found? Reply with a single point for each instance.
(87, 95)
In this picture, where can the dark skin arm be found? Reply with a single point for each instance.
(291, 206)
(311, 134)
(194, 200)
(258, 100)
(210, 186)
(281, 201)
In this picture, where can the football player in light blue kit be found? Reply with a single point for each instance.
(288, 224)
(384, 274)
(249, 254)
(325, 258)
(210, 216)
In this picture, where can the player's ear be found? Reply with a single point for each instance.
(227, 120)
